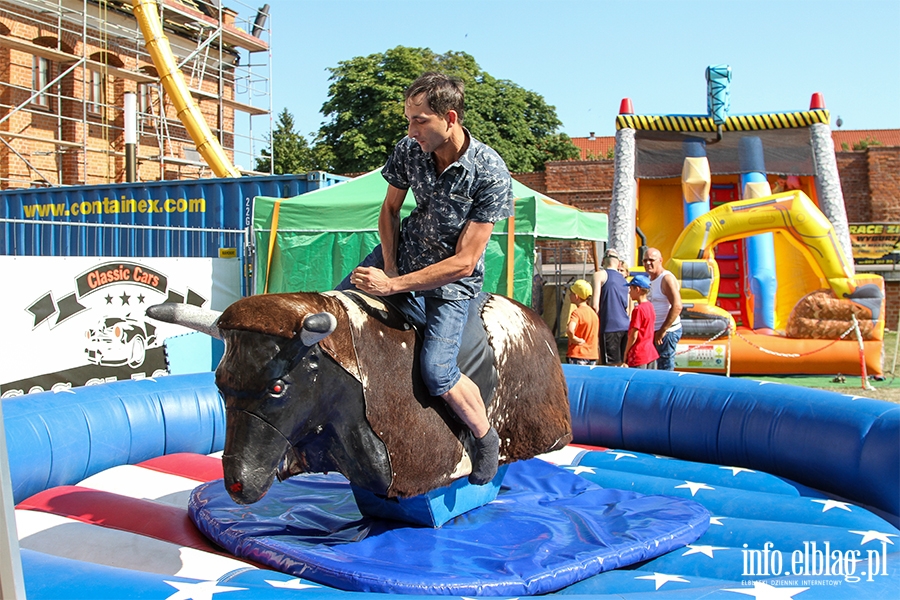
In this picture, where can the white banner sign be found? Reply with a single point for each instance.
(72, 321)
(701, 356)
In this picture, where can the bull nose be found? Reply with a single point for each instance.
(245, 486)
(253, 450)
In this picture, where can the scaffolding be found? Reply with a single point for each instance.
(65, 66)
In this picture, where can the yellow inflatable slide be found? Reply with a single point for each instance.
(818, 329)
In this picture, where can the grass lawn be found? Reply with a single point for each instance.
(886, 389)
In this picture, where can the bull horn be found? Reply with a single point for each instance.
(187, 315)
(317, 327)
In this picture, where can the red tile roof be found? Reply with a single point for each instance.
(594, 148)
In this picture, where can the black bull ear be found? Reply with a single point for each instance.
(317, 327)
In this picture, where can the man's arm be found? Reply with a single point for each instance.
(469, 248)
(389, 227)
(599, 279)
(669, 288)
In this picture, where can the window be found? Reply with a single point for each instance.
(40, 77)
(96, 92)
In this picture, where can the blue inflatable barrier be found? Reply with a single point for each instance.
(847, 446)
(61, 438)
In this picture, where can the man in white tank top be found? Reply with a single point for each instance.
(665, 294)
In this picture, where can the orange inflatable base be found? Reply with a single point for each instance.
(816, 357)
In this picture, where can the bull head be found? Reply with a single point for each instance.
(270, 385)
(288, 404)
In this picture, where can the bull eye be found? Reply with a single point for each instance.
(277, 388)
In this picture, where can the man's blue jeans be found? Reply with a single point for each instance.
(666, 360)
(445, 321)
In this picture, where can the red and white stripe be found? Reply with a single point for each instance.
(132, 516)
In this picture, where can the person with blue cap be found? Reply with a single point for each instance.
(640, 351)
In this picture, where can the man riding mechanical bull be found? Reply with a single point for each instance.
(462, 187)
(366, 380)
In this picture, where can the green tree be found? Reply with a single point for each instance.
(364, 111)
(289, 148)
(611, 153)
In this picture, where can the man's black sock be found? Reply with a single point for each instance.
(487, 455)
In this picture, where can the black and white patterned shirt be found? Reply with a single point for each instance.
(477, 187)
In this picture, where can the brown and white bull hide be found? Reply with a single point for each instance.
(420, 436)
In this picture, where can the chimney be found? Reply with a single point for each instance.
(592, 136)
(228, 17)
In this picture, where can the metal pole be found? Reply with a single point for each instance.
(12, 581)
(862, 356)
(130, 137)
(896, 345)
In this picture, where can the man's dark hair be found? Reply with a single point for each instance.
(442, 92)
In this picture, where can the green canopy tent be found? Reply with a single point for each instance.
(321, 235)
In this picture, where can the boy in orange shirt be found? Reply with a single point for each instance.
(584, 327)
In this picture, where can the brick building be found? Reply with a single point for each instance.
(65, 66)
(870, 181)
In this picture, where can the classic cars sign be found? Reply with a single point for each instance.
(72, 321)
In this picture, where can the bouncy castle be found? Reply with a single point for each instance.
(762, 246)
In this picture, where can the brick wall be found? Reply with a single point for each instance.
(853, 169)
(870, 181)
(100, 134)
(892, 305)
(584, 184)
(533, 180)
(884, 182)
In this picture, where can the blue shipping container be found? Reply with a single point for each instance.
(161, 218)
(195, 218)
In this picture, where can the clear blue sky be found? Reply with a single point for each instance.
(584, 56)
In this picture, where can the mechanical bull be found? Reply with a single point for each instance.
(329, 382)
